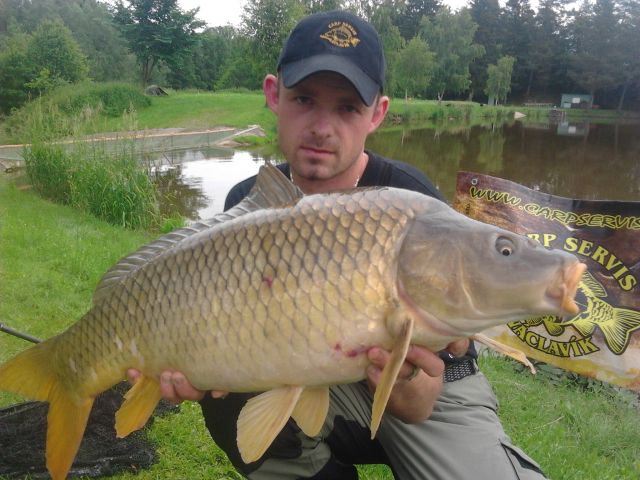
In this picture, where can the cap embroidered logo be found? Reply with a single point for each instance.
(341, 34)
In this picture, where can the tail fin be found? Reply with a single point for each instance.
(618, 332)
(30, 373)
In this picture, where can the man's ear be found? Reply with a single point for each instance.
(379, 112)
(270, 89)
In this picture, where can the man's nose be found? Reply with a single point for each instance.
(322, 125)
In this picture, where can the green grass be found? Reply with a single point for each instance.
(52, 256)
(199, 110)
(577, 429)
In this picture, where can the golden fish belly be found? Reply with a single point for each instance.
(283, 296)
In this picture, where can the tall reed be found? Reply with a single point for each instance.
(104, 178)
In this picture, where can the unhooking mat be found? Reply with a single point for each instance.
(23, 432)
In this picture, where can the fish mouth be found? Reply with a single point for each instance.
(564, 291)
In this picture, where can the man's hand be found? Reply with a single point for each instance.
(175, 387)
(415, 392)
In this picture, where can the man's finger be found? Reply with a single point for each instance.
(167, 389)
(379, 359)
(183, 389)
(459, 347)
(133, 375)
(219, 393)
(426, 360)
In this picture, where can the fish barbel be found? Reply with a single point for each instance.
(285, 294)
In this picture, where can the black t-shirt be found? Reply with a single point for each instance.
(380, 171)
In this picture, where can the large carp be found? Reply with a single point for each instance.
(285, 294)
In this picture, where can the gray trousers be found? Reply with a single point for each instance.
(463, 439)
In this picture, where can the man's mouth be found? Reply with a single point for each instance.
(316, 150)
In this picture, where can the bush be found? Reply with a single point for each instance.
(72, 110)
(114, 99)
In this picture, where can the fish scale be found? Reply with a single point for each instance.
(286, 294)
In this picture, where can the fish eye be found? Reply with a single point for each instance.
(505, 246)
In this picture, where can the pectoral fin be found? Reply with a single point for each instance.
(390, 372)
(311, 410)
(505, 350)
(262, 419)
(139, 403)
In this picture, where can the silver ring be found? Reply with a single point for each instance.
(414, 373)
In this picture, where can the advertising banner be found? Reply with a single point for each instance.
(603, 340)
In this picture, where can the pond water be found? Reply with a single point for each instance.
(589, 161)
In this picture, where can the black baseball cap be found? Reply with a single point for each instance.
(335, 41)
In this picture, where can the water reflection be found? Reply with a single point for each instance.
(573, 129)
(600, 164)
(195, 183)
(571, 160)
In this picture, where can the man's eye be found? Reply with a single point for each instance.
(303, 100)
(350, 108)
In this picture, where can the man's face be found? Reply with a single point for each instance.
(322, 124)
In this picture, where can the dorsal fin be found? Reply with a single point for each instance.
(271, 190)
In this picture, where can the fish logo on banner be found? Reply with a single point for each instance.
(603, 339)
(614, 323)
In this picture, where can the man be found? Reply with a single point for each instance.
(328, 99)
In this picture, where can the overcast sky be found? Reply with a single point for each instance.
(221, 12)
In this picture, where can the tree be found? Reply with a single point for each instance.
(157, 31)
(392, 43)
(267, 24)
(54, 48)
(629, 39)
(34, 64)
(15, 71)
(518, 20)
(548, 58)
(450, 37)
(91, 24)
(595, 53)
(409, 14)
(499, 79)
(240, 71)
(414, 67)
(215, 49)
(315, 6)
(486, 14)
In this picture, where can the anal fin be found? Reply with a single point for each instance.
(262, 419)
(311, 410)
(139, 403)
(505, 350)
(391, 370)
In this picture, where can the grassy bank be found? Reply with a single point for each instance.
(52, 256)
(191, 110)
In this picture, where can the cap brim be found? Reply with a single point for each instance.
(294, 72)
